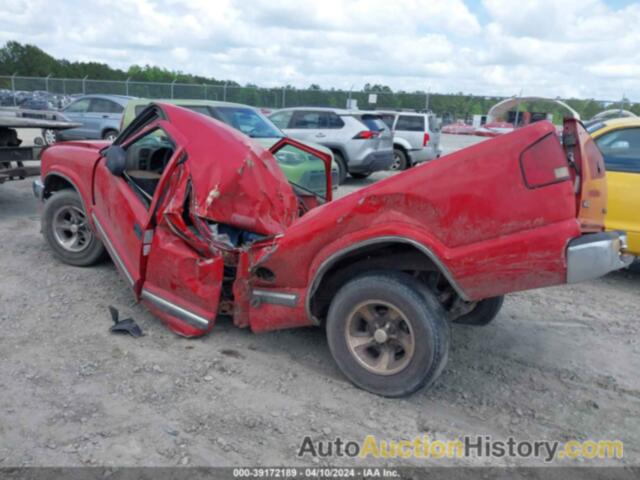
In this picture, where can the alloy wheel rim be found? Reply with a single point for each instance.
(49, 137)
(396, 162)
(71, 230)
(379, 337)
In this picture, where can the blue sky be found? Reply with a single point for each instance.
(583, 48)
(476, 6)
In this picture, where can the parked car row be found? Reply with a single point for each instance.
(33, 100)
(360, 142)
(364, 142)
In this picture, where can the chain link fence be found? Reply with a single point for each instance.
(448, 106)
(255, 96)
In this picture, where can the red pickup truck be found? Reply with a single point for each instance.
(202, 222)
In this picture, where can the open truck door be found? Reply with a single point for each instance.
(136, 189)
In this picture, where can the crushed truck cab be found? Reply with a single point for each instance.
(201, 221)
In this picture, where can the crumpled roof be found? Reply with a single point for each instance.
(234, 180)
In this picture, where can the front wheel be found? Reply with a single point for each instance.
(387, 335)
(66, 228)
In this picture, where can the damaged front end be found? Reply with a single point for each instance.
(229, 213)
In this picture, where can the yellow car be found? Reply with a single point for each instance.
(619, 142)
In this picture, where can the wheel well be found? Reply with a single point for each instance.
(339, 152)
(55, 183)
(400, 147)
(397, 146)
(385, 256)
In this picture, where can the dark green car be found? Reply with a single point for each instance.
(303, 170)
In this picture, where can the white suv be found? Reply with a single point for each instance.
(360, 141)
(416, 137)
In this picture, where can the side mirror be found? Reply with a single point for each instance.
(116, 159)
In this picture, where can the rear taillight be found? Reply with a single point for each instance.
(544, 163)
(426, 139)
(366, 135)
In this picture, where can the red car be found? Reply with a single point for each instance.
(201, 222)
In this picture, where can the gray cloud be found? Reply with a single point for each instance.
(575, 47)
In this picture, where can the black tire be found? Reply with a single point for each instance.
(342, 167)
(483, 313)
(360, 176)
(110, 134)
(90, 251)
(400, 160)
(428, 327)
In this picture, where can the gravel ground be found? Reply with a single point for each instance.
(558, 364)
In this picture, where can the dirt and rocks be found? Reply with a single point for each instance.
(557, 364)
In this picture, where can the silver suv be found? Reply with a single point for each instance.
(416, 137)
(360, 141)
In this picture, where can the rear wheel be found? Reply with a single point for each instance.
(387, 336)
(110, 135)
(483, 313)
(66, 228)
(342, 167)
(400, 161)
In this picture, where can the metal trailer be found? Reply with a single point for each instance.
(13, 155)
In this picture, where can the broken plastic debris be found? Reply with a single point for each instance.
(128, 325)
